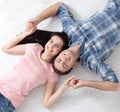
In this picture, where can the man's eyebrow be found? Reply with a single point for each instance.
(57, 60)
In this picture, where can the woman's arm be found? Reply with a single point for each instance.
(12, 48)
(50, 96)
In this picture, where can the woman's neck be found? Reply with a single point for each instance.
(45, 57)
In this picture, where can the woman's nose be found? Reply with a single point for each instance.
(52, 46)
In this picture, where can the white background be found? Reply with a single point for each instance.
(13, 17)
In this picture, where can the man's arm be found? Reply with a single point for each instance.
(110, 81)
(49, 12)
(106, 85)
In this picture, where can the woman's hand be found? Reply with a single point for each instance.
(32, 24)
(28, 30)
(69, 82)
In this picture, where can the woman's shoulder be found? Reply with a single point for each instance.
(34, 46)
(52, 75)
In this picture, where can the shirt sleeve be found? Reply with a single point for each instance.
(53, 77)
(65, 15)
(105, 72)
(117, 2)
(33, 46)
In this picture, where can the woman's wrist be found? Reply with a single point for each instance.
(64, 87)
(22, 35)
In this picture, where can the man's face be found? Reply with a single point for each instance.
(65, 60)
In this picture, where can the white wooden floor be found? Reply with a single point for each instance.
(13, 16)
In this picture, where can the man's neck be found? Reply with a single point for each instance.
(75, 49)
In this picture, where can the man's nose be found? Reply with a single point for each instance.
(64, 59)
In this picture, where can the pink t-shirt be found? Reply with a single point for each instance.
(29, 73)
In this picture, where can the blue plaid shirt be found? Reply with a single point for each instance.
(97, 36)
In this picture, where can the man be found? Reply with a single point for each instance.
(92, 40)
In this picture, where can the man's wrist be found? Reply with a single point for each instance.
(85, 83)
(37, 19)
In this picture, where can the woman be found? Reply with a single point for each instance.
(32, 70)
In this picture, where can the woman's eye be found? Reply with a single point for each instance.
(57, 46)
(51, 41)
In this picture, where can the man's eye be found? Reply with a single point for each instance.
(59, 60)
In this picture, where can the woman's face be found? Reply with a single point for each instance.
(54, 46)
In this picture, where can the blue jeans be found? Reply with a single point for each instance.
(5, 104)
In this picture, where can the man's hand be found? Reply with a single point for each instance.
(28, 30)
(32, 24)
(76, 83)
